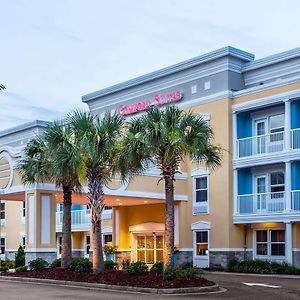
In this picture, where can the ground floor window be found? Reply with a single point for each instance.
(87, 244)
(23, 242)
(201, 242)
(59, 245)
(150, 248)
(270, 242)
(107, 240)
(2, 211)
(2, 246)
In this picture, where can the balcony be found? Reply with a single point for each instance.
(262, 144)
(295, 137)
(266, 203)
(80, 219)
(267, 207)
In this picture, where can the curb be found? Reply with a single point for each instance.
(119, 288)
(252, 274)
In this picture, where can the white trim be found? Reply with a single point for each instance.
(3, 234)
(6, 155)
(52, 187)
(201, 225)
(186, 249)
(123, 250)
(45, 202)
(265, 101)
(147, 227)
(229, 249)
(201, 173)
(40, 250)
(268, 218)
(31, 218)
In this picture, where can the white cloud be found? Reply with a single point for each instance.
(53, 52)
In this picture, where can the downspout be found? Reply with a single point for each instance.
(245, 241)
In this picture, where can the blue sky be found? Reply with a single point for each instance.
(54, 51)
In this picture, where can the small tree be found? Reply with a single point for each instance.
(20, 257)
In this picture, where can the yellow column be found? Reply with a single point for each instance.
(40, 225)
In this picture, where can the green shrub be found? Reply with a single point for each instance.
(21, 269)
(137, 268)
(20, 257)
(109, 249)
(56, 263)
(179, 273)
(81, 265)
(157, 267)
(110, 265)
(38, 264)
(3, 268)
(9, 264)
(261, 267)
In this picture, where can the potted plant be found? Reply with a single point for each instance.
(109, 252)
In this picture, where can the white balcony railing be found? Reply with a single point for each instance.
(81, 217)
(296, 200)
(264, 203)
(295, 137)
(256, 145)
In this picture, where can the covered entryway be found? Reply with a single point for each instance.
(147, 242)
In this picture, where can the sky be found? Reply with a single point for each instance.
(52, 52)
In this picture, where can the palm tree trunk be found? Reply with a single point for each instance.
(169, 223)
(66, 251)
(96, 205)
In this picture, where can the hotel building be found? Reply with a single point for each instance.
(247, 208)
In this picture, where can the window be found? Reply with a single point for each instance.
(270, 242)
(107, 239)
(23, 209)
(201, 194)
(59, 245)
(201, 243)
(262, 242)
(87, 244)
(277, 243)
(2, 246)
(60, 207)
(150, 248)
(206, 85)
(2, 211)
(277, 123)
(194, 89)
(277, 182)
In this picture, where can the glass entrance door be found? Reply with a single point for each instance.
(261, 138)
(261, 191)
(150, 248)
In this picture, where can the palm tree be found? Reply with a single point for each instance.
(165, 138)
(53, 157)
(97, 139)
(2, 86)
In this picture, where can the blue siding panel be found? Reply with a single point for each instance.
(244, 125)
(296, 175)
(295, 114)
(245, 185)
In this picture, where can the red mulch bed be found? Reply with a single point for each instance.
(114, 277)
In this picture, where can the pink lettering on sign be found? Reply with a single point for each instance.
(158, 100)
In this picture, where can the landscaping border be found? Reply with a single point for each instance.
(120, 288)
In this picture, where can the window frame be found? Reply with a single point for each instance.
(2, 210)
(201, 243)
(87, 246)
(269, 244)
(2, 255)
(198, 204)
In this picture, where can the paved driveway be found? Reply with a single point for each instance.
(238, 287)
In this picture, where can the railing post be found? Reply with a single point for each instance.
(289, 242)
(287, 123)
(288, 185)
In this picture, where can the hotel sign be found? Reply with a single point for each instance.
(158, 100)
